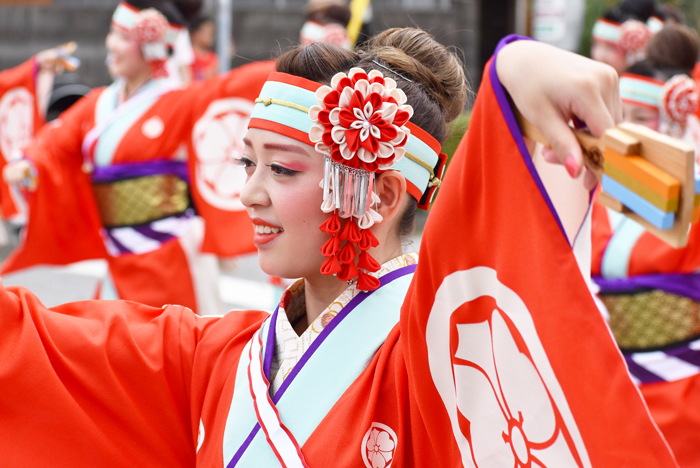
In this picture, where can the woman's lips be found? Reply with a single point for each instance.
(265, 232)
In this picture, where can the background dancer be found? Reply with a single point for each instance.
(126, 163)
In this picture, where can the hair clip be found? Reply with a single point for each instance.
(392, 71)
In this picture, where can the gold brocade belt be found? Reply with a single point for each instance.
(140, 200)
(652, 318)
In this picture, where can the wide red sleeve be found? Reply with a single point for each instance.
(63, 221)
(220, 110)
(509, 360)
(20, 119)
(104, 383)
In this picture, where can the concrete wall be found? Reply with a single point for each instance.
(261, 28)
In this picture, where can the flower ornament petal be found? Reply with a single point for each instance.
(316, 133)
(328, 206)
(363, 87)
(321, 93)
(345, 98)
(338, 134)
(377, 88)
(334, 116)
(336, 79)
(313, 113)
(366, 156)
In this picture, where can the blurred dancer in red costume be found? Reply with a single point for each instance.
(141, 172)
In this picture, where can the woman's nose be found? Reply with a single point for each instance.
(253, 193)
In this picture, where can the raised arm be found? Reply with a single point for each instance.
(508, 357)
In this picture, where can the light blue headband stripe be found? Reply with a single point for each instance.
(287, 116)
(606, 31)
(636, 90)
(123, 16)
(282, 114)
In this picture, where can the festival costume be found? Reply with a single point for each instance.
(651, 292)
(20, 119)
(139, 174)
(631, 36)
(459, 361)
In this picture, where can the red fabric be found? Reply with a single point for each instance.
(131, 272)
(20, 78)
(650, 255)
(63, 222)
(227, 232)
(674, 408)
(111, 383)
(510, 229)
(205, 66)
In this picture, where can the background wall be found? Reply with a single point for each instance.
(261, 28)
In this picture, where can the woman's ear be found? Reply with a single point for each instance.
(391, 188)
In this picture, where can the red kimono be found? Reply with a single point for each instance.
(115, 181)
(462, 361)
(20, 119)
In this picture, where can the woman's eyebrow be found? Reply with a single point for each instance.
(288, 148)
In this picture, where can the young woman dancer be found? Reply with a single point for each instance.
(375, 358)
(131, 171)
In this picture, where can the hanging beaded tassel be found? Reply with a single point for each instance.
(348, 194)
(360, 128)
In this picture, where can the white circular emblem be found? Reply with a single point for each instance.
(218, 141)
(16, 122)
(153, 127)
(379, 446)
(504, 401)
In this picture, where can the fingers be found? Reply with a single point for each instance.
(563, 142)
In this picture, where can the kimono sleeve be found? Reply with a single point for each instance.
(19, 120)
(63, 223)
(99, 383)
(221, 109)
(509, 360)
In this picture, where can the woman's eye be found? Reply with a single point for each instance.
(280, 170)
(245, 162)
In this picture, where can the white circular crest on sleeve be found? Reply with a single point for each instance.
(379, 446)
(218, 141)
(153, 127)
(16, 122)
(510, 399)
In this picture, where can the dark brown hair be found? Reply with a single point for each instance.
(675, 47)
(437, 89)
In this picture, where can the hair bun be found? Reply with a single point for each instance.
(416, 55)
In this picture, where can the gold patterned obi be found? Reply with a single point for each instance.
(140, 200)
(652, 318)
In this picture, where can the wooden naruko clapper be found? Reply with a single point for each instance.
(646, 175)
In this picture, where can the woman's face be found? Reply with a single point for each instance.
(124, 56)
(610, 54)
(283, 199)
(640, 115)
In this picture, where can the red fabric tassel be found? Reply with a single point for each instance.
(345, 232)
(331, 266)
(367, 240)
(158, 68)
(354, 234)
(347, 253)
(331, 247)
(331, 225)
(347, 272)
(367, 262)
(367, 282)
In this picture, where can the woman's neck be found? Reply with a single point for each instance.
(320, 290)
(132, 84)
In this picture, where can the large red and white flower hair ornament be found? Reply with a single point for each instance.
(680, 97)
(634, 36)
(360, 128)
(150, 30)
